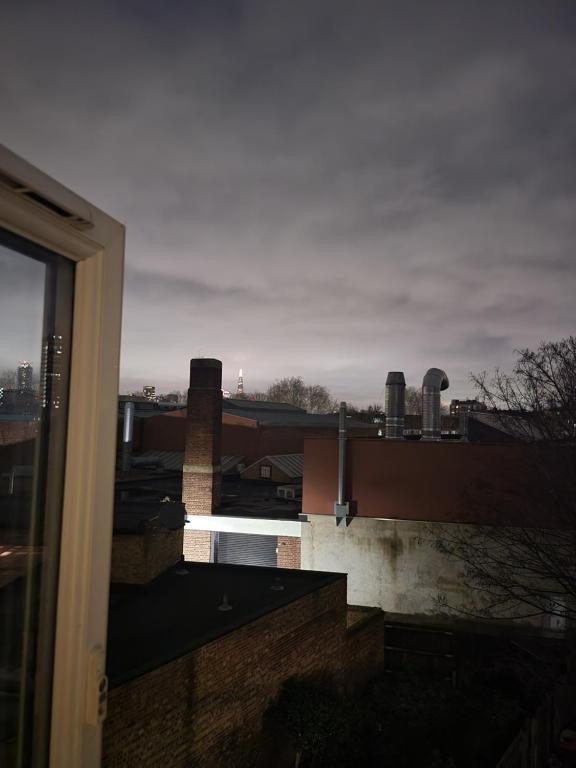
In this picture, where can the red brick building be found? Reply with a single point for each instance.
(251, 429)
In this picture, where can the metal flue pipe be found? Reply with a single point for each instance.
(434, 382)
(341, 506)
(342, 453)
(395, 405)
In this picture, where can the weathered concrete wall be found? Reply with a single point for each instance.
(391, 564)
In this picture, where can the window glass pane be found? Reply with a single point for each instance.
(36, 292)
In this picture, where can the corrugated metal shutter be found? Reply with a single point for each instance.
(247, 549)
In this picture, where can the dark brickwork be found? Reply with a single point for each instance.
(139, 558)
(202, 477)
(288, 552)
(205, 709)
(364, 645)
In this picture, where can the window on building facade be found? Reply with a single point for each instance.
(265, 471)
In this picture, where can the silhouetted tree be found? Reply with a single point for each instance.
(523, 571)
(292, 390)
(413, 400)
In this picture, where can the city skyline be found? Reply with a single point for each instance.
(330, 195)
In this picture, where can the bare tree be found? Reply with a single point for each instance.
(290, 390)
(314, 398)
(413, 397)
(255, 396)
(374, 413)
(529, 567)
(320, 400)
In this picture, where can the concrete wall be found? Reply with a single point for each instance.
(391, 564)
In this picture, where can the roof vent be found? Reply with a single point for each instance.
(434, 382)
(224, 605)
(395, 405)
(9, 182)
(277, 586)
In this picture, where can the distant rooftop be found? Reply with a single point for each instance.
(174, 460)
(244, 403)
(291, 464)
(153, 625)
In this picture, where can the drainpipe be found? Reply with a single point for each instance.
(342, 507)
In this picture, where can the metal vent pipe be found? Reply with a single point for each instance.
(395, 406)
(434, 382)
(341, 506)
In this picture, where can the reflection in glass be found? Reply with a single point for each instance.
(36, 290)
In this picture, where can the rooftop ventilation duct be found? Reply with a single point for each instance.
(395, 405)
(341, 506)
(434, 382)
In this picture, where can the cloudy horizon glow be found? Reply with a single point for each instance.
(331, 190)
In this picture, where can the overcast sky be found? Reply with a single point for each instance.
(330, 189)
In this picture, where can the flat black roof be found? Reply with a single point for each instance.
(135, 516)
(240, 498)
(153, 625)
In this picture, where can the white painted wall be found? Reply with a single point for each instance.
(391, 564)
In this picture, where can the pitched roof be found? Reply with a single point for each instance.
(233, 403)
(174, 460)
(291, 464)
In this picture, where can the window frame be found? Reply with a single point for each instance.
(265, 471)
(86, 540)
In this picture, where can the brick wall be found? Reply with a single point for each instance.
(205, 708)
(139, 558)
(201, 479)
(17, 431)
(128, 559)
(364, 644)
(288, 552)
(197, 546)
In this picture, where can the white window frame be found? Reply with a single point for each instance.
(265, 471)
(95, 242)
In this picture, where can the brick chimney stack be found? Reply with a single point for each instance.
(202, 474)
(202, 471)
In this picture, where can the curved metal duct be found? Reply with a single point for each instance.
(395, 405)
(434, 382)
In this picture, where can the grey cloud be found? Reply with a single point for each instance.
(162, 287)
(328, 190)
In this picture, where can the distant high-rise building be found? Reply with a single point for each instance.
(149, 393)
(24, 376)
(240, 387)
(51, 377)
(466, 406)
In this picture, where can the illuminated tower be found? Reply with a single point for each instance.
(24, 376)
(240, 387)
(51, 380)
